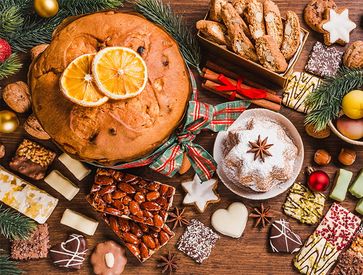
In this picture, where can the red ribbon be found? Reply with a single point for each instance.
(250, 93)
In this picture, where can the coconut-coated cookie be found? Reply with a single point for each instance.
(291, 39)
(269, 54)
(255, 19)
(353, 56)
(274, 26)
(314, 13)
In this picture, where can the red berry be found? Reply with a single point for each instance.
(318, 181)
(5, 50)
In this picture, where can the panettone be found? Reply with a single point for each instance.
(117, 131)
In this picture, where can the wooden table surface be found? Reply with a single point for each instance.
(248, 255)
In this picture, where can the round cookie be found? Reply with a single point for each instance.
(314, 13)
(108, 258)
(353, 56)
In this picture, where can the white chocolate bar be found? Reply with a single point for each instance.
(74, 166)
(79, 222)
(25, 197)
(62, 185)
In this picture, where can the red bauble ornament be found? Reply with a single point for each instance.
(5, 50)
(318, 181)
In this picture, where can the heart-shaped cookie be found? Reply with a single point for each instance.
(232, 221)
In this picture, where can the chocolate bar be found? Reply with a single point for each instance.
(25, 197)
(131, 197)
(32, 160)
(142, 240)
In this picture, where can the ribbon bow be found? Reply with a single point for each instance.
(239, 88)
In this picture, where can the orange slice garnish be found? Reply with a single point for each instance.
(119, 72)
(78, 85)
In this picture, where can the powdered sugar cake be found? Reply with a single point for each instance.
(251, 174)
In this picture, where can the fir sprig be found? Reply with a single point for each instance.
(10, 19)
(10, 66)
(162, 14)
(8, 267)
(325, 102)
(15, 226)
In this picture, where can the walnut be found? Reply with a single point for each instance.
(33, 128)
(37, 50)
(2, 150)
(16, 95)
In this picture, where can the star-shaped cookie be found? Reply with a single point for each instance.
(337, 26)
(200, 193)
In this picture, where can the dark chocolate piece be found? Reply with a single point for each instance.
(282, 239)
(35, 247)
(71, 253)
(324, 61)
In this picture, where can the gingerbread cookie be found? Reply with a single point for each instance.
(291, 40)
(337, 26)
(213, 31)
(274, 26)
(353, 56)
(255, 20)
(314, 13)
(269, 54)
(108, 259)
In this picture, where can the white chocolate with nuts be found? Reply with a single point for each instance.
(62, 185)
(25, 197)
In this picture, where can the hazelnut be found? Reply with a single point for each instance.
(347, 156)
(311, 131)
(37, 50)
(16, 95)
(322, 157)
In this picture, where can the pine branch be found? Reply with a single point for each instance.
(15, 226)
(163, 15)
(325, 102)
(10, 66)
(36, 30)
(8, 267)
(10, 19)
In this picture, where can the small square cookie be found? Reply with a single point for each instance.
(197, 241)
(324, 61)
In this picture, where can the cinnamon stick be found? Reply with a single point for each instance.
(213, 76)
(211, 86)
(221, 70)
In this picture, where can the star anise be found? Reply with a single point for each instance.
(168, 263)
(177, 217)
(261, 215)
(260, 148)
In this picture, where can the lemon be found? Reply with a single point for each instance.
(119, 72)
(77, 83)
(352, 104)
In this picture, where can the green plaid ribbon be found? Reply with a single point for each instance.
(167, 159)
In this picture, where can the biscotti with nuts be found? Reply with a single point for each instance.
(231, 17)
(255, 20)
(216, 9)
(240, 43)
(274, 25)
(291, 41)
(269, 54)
(240, 6)
(213, 31)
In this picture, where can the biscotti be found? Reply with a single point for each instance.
(216, 9)
(240, 6)
(239, 41)
(255, 20)
(269, 54)
(274, 25)
(213, 31)
(231, 17)
(291, 40)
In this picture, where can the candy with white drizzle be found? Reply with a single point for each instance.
(282, 239)
(71, 253)
(200, 193)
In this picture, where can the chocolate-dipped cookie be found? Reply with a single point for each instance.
(108, 259)
(71, 253)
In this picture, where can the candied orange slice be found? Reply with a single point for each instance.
(78, 85)
(119, 72)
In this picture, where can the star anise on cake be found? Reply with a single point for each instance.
(262, 215)
(168, 263)
(178, 218)
(260, 148)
